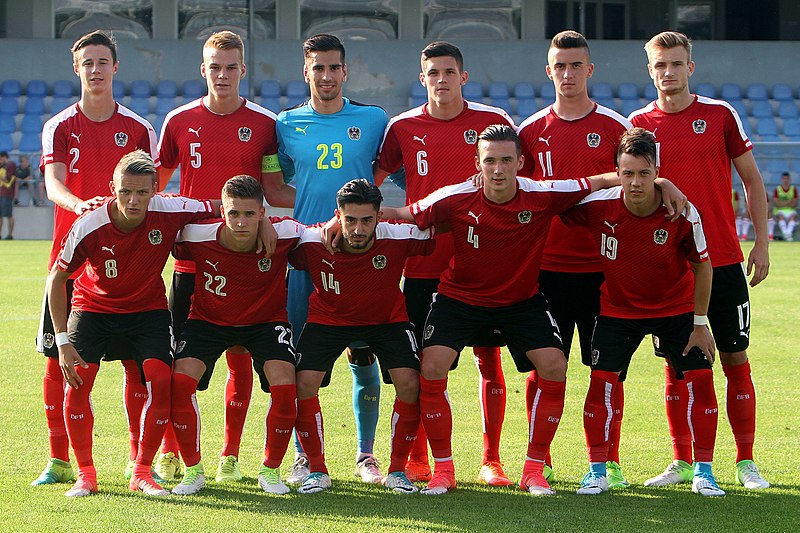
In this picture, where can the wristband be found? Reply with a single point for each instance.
(62, 339)
(700, 320)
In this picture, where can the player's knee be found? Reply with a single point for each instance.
(407, 386)
(733, 358)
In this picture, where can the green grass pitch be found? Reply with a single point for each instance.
(352, 506)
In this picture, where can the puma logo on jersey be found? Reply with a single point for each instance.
(329, 263)
(301, 130)
(420, 139)
(546, 141)
(107, 249)
(610, 225)
(214, 265)
(77, 137)
(654, 132)
(196, 131)
(476, 217)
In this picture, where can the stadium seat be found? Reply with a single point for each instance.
(11, 88)
(63, 89)
(650, 92)
(164, 105)
(271, 103)
(6, 142)
(36, 88)
(59, 104)
(244, 88)
(31, 142)
(270, 89)
(782, 92)
(33, 105)
(788, 109)
(7, 123)
(706, 89)
(140, 106)
(629, 106)
(472, 24)
(628, 91)
(526, 107)
(730, 92)
(607, 102)
(767, 127)
(141, 89)
(776, 166)
(502, 103)
(353, 27)
(740, 107)
(524, 91)
(192, 90)
(158, 122)
(31, 123)
(499, 90)
(760, 108)
(601, 91)
(166, 89)
(757, 91)
(118, 89)
(473, 91)
(296, 92)
(791, 128)
(9, 105)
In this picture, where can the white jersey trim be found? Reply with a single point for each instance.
(612, 193)
(572, 185)
(82, 227)
(50, 127)
(646, 109)
(605, 111)
(199, 233)
(151, 132)
(440, 194)
(698, 234)
(401, 231)
(535, 117)
(712, 101)
(178, 204)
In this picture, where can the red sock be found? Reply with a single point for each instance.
(531, 384)
(170, 442)
(281, 415)
(311, 432)
(677, 403)
(437, 416)
(419, 448)
(548, 405)
(155, 415)
(405, 421)
(185, 416)
(741, 406)
(598, 414)
(53, 394)
(238, 390)
(80, 417)
(134, 396)
(618, 402)
(704, 413)
(492, 393)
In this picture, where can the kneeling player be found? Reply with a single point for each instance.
(649, 288)
(357, 298)
(119, 298)
(239, 300)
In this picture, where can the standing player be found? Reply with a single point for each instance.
(80, 149)
(664, 298)
(785, 198)
(698, 139)
(342, 310)
(435, 143)
(225, 313)
(119, 297)
(573, 137)
(213, 138)
(324, 143)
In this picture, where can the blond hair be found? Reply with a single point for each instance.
(225, 40)
(136, 163)
(666, 40)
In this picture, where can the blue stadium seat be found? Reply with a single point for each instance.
(63, 89)
(167, 89)
(601, 91)
(730, 92)
(11, 88)
(296, 92)
(502, 103)
(526, 107)
(760, 108)
(270, 89)
(782, 92)
(776, 166)
(524, 91)
(33, 105)
(6, 142)
(547, 91)
(650, 92)
(244, 88)
(7, 123)
(140, 106)
(59, 104)
(141, 89)
(791, 128)
(31, 142)
(767, 127)
(118, 90)
(748, 129)
(607, 102)
(740, 107)
(36, 88)
(706, 89)
(419, 91)
(31, 123)
(788, 109)
(629, 106)
(271, 103)
(628, 91)
(158, 122)
(473, 91)
(192, 90)
(499, 90)
(9, 105)
(164, 104)
(757, 91)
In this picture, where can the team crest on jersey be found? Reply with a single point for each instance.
(181, 346)
(354, 132)
(595, 357)
(264, 264)
(524, 216)
(660, 236)
(48, 339)
(428, 332)
(379, 262)
(155, 237)
(699, 126)
(593, 140)
(471, 136)
(121, 138)
(245, 134)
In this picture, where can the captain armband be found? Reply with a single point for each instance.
(270, 163)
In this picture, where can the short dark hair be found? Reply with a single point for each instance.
(323, 42)
(136, 163)
(3, 153)
(244, 187)
(359, 191)
(443, 49)
(500, 132)
(569, 39)
(97, 37)
(638, 142)
(785, 173)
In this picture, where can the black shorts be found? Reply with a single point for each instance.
(524, 326)
(394, 346)
(148, 335)
(616, 339)
(574, 300)
(206, 341)
(180, 299)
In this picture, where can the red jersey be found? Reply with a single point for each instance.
(645, 259)
(435, 153)
(91, 151)
(237, 288)
(498, 247)
(211, 148)
(555, 148)
(123, 270)
(360, 289)
(695, 150)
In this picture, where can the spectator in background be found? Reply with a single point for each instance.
(26, 178)
(7, 179)
(785, 206)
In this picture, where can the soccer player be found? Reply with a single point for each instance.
(435, 144)
(80, 148)
(785, 198)
(217, 136)
(324, 143)
(573, 137)
(239, 299)
(649, 288)
(342, 310)
(698, 139)
(119, 298)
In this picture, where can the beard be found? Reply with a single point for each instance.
(362, 244)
